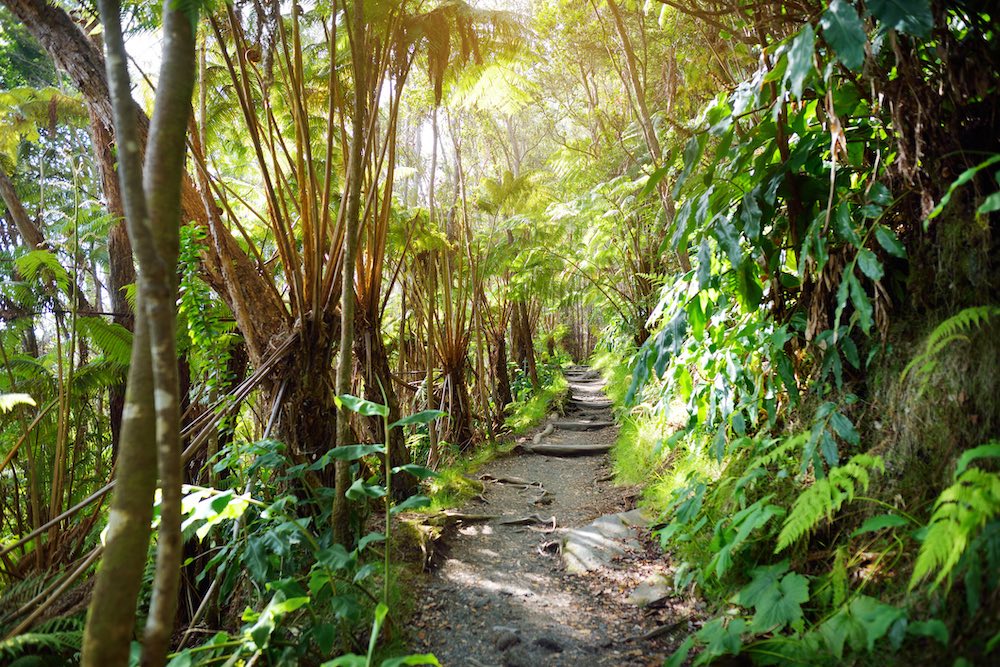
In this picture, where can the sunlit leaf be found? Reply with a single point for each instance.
(361, 406)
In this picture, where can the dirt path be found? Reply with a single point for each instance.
(501, 596)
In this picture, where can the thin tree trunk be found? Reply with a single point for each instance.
(340, 515)
(152, 200)
(646, 122)
(111, 618)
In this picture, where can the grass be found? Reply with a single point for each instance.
(529, 413)
(641, 455)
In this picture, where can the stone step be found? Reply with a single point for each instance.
(596, 405)
(569, 450)
(582, 425)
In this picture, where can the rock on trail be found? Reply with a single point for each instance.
(548, 581)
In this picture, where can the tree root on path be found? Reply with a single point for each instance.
(658, 631)
(512, 481)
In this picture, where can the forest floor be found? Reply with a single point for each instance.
(501, 594)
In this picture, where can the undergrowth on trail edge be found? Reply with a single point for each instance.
(813, 418)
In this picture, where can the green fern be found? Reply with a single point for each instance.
(60, 636)
(960, 512)
(954, 328)
(114, 340)
(42, 264)
(97, 375)
(826, 496)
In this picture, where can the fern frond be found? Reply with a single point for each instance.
(114, 340)
(827, 496)
(42, 264)
(32, 643)
(953, 328)
(960, 512)
(100, 373)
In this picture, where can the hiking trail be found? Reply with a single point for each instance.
(542, 582)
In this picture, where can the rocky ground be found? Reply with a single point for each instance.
(514, 591)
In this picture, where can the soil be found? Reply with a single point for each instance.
(501, 595)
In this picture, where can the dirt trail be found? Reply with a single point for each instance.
(501, 596)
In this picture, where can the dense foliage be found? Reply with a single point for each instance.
(772, 224)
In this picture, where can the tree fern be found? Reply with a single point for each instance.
(960, 513)
(826, 496)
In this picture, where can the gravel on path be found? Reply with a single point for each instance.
(502, 597)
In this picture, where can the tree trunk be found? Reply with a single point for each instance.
(458, 406)
(152, 199)
(111, 618)
(501, 379)
(340, 515)
(523, 344)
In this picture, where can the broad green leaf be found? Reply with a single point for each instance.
(750, 215)
(424, 659)
(844, 428)
(417, 471)
(913, 17)
(354, 452)
(880, 522)
(360, 490)
(843, 29)
(369, 539)
(678, 657)
(800, 61)
(862, 304)
(722, 636)
(729, 239)
(350, 660)
(336, 557)
(411, 503)
(750, 290)
(361, 406)
(762, 579)
(423, 417)
(704, 264)
(843, 224)
(888, 240)
(654, 179)
(781, 605)
(325, 634)
(787, 375)
(990, 204)
(933, 628)
(870, 265)
(875, 617)
(692, 153)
